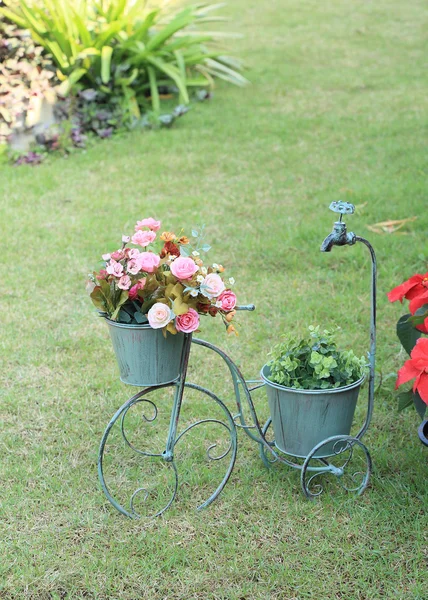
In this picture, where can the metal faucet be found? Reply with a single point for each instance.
(339, 235)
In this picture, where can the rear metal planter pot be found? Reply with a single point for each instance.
(145, 357)
(302, 419)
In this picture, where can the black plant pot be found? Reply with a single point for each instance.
(423, 432)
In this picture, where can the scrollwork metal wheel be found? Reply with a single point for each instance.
(350, 463)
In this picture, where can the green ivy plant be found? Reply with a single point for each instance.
(314, 362)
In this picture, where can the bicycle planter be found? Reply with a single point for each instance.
(332, 455)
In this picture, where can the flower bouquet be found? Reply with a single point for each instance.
(410, 329)
(162, 281)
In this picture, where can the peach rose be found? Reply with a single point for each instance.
(148, 261)
(212, 286)
(168, 236)
(159, 315)
(183, 268)
(188, 322)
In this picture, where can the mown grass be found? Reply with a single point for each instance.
(336, 111)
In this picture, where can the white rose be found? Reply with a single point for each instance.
(159, 315)
(212, 286)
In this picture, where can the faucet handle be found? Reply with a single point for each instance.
(344, 208)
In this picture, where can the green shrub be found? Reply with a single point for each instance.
(314, 363)
(127, 49)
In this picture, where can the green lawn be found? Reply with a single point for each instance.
(336, 110)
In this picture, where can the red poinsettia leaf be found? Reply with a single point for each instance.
(419, 354)
(421, 386)
(418, 301)
(407, 372)
(399, 292)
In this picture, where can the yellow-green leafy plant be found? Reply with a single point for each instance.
(128, 48)
(314, 362)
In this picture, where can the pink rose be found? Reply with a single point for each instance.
(148, 261)
(124, 282)
(115, 268)
(212, 286)
(132, 252)
(118, 255)
(188, 322)
(106, 257)
(183, 267)
(143, 238)
(159, 315)
(133, 266)
(227, 300)
(133, 292)
(126, 239)
(151, 223)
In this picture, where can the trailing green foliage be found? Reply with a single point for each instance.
(127, 49)
(314, 362)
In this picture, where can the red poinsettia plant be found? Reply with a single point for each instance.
(410, 330)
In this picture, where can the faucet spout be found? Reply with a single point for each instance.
(328, 243)
(338, 237)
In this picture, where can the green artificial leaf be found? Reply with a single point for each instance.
(420, 315)
(124, 317)
(405, 399)
(195, 233)
(122, 299)
(205, 247)
(98, 298)
(420, 405)
(139, 317)
(184, 251)
(316, 358)
(407, 334)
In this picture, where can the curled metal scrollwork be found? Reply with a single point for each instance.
(146, 419)
(144, 493)
(341, 445)
(212, 446)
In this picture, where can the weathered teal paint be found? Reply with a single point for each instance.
(302, 419)
(145, 357)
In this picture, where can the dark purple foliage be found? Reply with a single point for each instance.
(31, 158)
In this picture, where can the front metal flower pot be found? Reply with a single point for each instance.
(145, 357)
(301, 419)
(423, 432)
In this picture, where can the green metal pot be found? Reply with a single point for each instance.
(301, 419)
(145, 357)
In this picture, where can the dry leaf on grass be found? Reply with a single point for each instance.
(390, 226)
